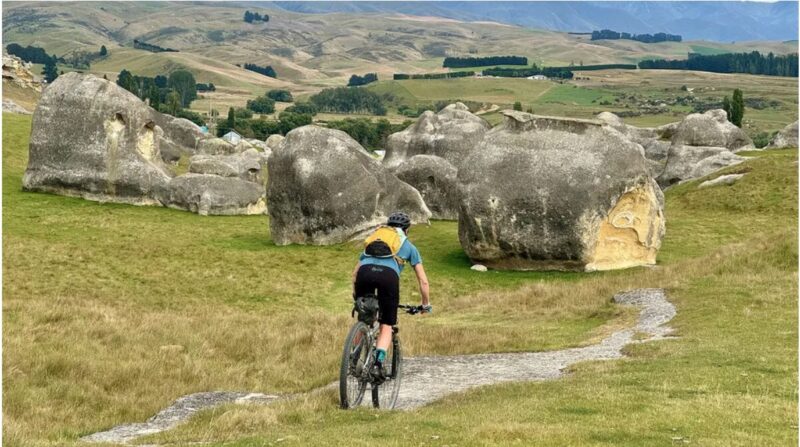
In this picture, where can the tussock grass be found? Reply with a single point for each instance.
(110, 312)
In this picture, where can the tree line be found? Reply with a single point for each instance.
(36, 55)
(448, 75)
(30, 53)
(357, 80)
(550, 72)
(348, 100)
(752, 63)
(251, 17)
(461, 62)
(140, 45)
(210, 87)
(370, 134)
(608, 34)
(266, 104)
(266, 71)
(168, 94)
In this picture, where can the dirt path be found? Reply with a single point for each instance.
(427, 379)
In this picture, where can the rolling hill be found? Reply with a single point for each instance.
(310, 50)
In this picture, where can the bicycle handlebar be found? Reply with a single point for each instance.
(412, 310)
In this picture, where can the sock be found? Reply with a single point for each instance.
(380, 355)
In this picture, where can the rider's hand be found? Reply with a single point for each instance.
(427, 309)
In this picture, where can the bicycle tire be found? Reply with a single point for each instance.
(385, 395)
(352, 385)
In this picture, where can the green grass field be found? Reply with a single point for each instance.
(111, 312)
(608, 90)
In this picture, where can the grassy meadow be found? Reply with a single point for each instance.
(110, 312)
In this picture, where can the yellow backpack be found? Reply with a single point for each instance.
(385, 242)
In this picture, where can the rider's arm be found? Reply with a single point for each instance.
(422, 279)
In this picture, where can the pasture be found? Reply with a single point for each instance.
(110, 312)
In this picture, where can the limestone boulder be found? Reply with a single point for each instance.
(215, 146)
(246, 166)
(18, 72)
(787, 137)
(324, 188)
(92, 139)
(274, 141)
(689, 162)
(242, 146)
(711, 128)
(180, 131)
(206, 194)
(436, 180)
(557, 193)
(452, 134)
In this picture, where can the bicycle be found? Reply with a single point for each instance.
(358, 358)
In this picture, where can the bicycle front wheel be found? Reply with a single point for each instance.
(385, 395)
(353, 374)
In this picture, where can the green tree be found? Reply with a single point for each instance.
(231, 118)
(154, 97)
(184, 83)
(518, 106)
(126, 81)
(737, 108)
(261, 104)
(289, 121)
(49, 71)
(103, 50)
(173, 102)
(280, 95)
(242, 113)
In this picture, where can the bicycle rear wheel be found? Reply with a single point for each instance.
(353, 372)
(385, 395)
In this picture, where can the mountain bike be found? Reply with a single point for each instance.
(358, 358)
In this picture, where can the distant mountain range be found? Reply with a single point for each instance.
(717, 21)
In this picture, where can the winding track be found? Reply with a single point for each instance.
(427, 379)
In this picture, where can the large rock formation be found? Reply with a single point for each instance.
(180, 137)
(214, 195)
(93, 139)
(324, 188)
(556, 193)
(451, 134)
(711, 128)
(18, 72)
(655, 141)
(690, 162)
(246, 166)
(436, 180)
(787, 137)
(696, 146)
(215, 146)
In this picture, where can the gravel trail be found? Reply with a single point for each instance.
(427, 379)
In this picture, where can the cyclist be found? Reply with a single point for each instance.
(378, 271)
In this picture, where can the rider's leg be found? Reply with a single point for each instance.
(384, 337)
(389, 296)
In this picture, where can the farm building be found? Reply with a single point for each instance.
(232, 137)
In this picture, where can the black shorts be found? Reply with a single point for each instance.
(385, 284)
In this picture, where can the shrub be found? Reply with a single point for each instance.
(261, 104)
(280, 95)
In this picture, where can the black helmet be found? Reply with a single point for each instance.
(399, 219)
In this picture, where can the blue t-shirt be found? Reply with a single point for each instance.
(407, 251)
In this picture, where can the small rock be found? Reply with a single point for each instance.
(729, 179)
(479, 268)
